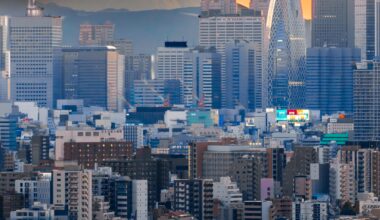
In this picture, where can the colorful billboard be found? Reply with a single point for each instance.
(293, 115)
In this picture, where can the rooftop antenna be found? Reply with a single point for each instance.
(33, 10)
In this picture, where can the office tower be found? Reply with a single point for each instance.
(217, 31)
(260, 5)
(221, 7)
(255, 210)
(299, 165)
(201, 78)
(377, 27)
(37, 189)
(96, 34)
(144, 167)
(366, 110)
(194, 197)
(333, 23)
(169, 60)
(87, 154)
(140, 199)
(286, 55)
(243, 83)
(4, 58)
(123, 46)
(73, 191)
(218, 160)
(329, 79)
(312, 209)
(34, 41)
(365, 28)
(149, 93)
(94, 74)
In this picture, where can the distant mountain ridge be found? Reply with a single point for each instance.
(147, 29)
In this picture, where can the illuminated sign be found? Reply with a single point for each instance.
(293, 115)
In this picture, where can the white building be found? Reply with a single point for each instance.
(38, 211)
(342, 182)
(169, 60)
(308, 210)
(227, 191)
(38, 190)
(140, 199)
(34, 40)
(73, 188)
(219, 30)
(4, 58)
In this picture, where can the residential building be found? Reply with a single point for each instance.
(257, 210)
(37, 189)
(227, 191)
(310, 210)
(194, 197)
(38, 211)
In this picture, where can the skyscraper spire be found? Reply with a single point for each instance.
(33, 10)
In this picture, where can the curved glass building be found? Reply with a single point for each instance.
(286, 54)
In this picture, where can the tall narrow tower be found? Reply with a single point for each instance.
(33, 9)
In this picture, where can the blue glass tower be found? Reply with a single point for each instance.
(329, 79)
(286, 54)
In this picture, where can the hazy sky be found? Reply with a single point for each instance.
(94, 5)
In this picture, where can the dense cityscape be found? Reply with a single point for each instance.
(273, 114)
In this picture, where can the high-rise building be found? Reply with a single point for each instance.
(366, 110)
(243, 82)
(72, 189)
(96, 34)
(34, 42)
(333, 23)
(286, 55)
(169, 60)
(221, 7)
(94, 74)
(149, 93)
(260, 5)
(342, 184)
(135, 135)
(35, 190)
(4, 58)
(255, 210)
(217, 31)
(377, 28)
(201, 78)
(123, 46)
(195, 197)
(8, 133)
(40, 146)
(329, 79)
(311, 209)
(365, 28)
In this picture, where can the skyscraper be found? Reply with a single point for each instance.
(377, 28)
(201, 81)
(243, 84)
(333, 23)
(33, 43)
(286, 54)
(217, 31)
(221, 7)
(96, 34)
(94, 74)
(329, 79)
(365, 28)
(366, 106)
(4, 58)
(169, 60)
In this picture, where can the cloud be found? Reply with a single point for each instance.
(133, 5)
